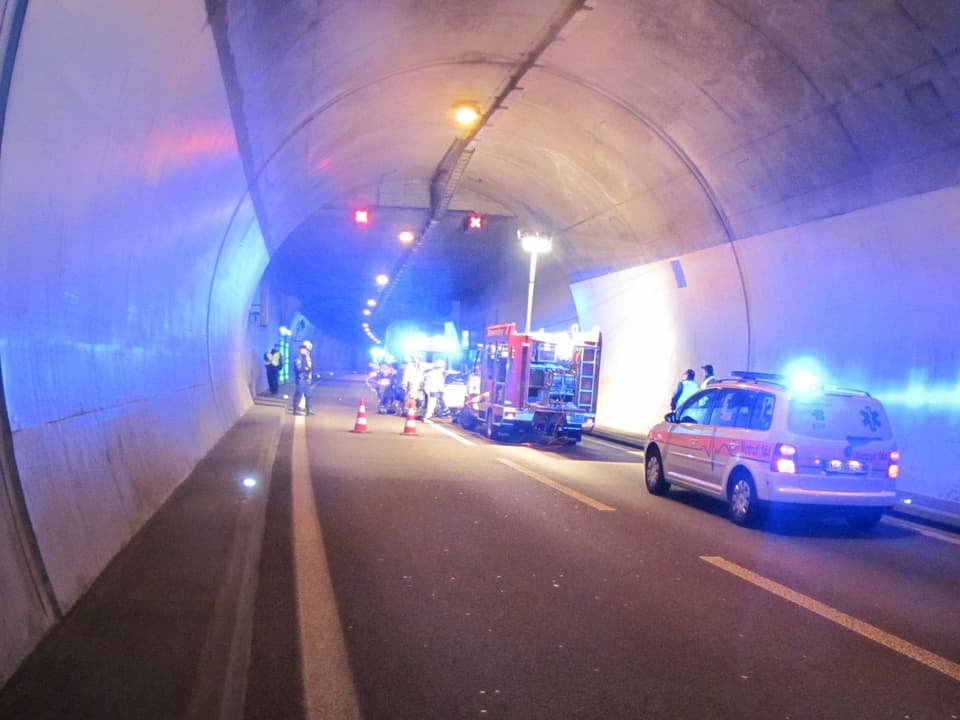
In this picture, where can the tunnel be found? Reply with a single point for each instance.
(754, 184)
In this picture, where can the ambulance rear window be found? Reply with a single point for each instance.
(838, 417)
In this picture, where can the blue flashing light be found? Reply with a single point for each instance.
(804, 381)
(805, 374)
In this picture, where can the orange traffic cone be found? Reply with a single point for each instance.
(361, 424)
(410, 426)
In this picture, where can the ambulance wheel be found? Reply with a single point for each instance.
(653, 475)
(745, 509)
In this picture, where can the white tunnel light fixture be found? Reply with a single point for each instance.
(534, 242)
(366, 311)
(406, 236)
(371, 303)
(382, 280)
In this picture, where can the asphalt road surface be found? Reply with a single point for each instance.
(441, 575)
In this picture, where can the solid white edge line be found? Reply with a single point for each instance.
(450, 433)
(585, 499)
(922, 529)
(626, 449)
(871, 632)
(328, 689)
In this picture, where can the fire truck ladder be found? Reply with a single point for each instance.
(588, 379)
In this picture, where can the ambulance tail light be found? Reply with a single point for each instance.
(893, 469)
(784, 459)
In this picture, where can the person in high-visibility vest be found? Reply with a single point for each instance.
(685, 388)
(272, 360)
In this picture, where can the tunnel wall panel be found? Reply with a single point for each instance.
(129, 254)
(865, 297)
(240, 265)
(653, 330)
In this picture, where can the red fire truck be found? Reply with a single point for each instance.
(536, 386)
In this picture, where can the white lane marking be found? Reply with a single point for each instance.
(586, 500)
(922, 529)
(328, 690)
(622, 448)
(450, 433)
(871, 632)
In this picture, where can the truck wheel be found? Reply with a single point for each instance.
(490, 431)
(653, 474)
(467, 420)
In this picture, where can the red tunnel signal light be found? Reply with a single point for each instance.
(474, 221)
(361, 216)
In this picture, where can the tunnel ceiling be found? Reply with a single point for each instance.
(632, 130)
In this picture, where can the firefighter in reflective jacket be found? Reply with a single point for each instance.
(433, 381)
(413, 382)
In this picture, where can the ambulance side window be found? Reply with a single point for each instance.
(763, 412)
(735, 408)
(698, 408)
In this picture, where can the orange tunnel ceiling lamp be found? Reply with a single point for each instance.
(466, 112)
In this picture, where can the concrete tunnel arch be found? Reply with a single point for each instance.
(131, 251)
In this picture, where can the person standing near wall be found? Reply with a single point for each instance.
(685, 388)
(272, 360)
(708, 376)
(303, 377)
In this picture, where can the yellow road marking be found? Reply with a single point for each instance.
(327, 682)
(595, 504)
(897, 644)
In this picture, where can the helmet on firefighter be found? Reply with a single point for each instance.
(307, 344)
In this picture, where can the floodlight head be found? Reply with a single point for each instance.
(535, 242)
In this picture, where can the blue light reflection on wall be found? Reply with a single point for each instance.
(917, 394)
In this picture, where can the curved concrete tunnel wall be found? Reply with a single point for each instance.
(869, 296)
(129, 255)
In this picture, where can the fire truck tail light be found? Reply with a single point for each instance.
(784, 459)
(509, 414)
(893, 469)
